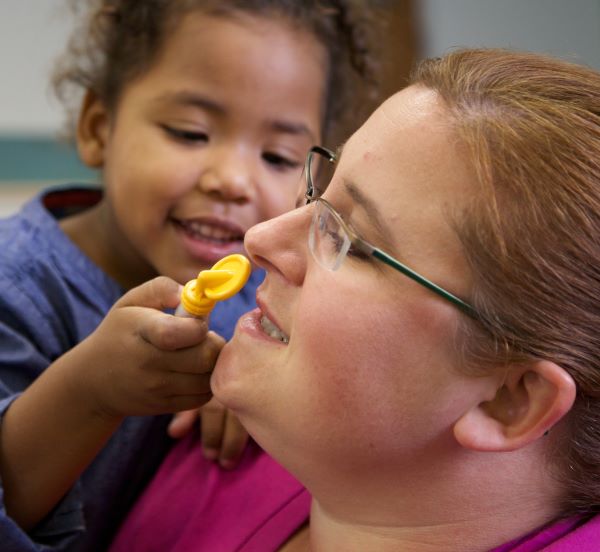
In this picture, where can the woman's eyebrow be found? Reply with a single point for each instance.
(372, 211)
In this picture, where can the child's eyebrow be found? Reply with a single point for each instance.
(290, 127)
(192, 99)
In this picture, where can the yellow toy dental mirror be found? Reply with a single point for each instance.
(222, 281)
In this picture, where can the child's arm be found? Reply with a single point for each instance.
(224, 438)
(139, 361)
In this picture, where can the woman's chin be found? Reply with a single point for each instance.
(227, 381)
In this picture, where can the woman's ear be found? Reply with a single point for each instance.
(92, 131)
(533, 397)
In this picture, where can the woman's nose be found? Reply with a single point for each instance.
(228, 175)
(280, 244)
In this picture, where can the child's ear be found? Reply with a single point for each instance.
(533, 397)
(92, 131)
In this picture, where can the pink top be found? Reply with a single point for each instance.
(193, 505)
(567, 535)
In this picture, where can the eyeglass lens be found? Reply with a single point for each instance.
(327, 239)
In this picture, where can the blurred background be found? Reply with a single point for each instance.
(34, 32)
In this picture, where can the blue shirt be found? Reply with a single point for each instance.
(51, 297)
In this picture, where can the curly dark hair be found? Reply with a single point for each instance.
(118, 40)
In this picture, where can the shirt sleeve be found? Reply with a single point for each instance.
(24, 355)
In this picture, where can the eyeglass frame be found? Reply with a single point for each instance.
(367, 248)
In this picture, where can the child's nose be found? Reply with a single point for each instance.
(229, 176)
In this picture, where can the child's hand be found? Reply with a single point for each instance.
(141, 361)
(223, 436)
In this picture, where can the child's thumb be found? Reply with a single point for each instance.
(160, 293)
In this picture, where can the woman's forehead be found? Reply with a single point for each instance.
(405, 160)
(408, 141)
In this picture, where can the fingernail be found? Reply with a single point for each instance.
(210, 454)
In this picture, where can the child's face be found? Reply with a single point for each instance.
(209, 141)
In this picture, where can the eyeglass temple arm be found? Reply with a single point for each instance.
(462, 305)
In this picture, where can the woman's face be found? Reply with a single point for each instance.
(370, 374)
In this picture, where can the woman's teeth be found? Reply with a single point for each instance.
(272, 330)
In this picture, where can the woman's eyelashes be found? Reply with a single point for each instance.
(358, 253)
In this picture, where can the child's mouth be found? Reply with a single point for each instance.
(216, 234)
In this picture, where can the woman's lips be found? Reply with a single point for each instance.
(251, 323)
(272, 330)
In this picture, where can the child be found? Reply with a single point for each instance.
(198, 116)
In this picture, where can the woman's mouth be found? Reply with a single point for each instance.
(272, 330)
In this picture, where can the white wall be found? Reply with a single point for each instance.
(564, 28)
(33, 33)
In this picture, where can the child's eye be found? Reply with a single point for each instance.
(280, 162)
(186, 135)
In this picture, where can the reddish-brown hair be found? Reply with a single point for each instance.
(530, 125)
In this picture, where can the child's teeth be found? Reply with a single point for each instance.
(272, 330)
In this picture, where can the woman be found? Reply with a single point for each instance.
(439, 392)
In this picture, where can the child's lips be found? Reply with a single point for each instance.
(211, 230)
(209, 240)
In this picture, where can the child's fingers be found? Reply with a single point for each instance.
(176, 384)
(159, 293)
(186, 402)
(182, 423)
(212, 416)
(169, 333)
(193, 361)
(235, 438)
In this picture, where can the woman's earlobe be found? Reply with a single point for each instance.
(531, 400)
(92, 131)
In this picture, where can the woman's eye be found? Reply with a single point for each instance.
(280, 162)
(186, 135)
(358, 254)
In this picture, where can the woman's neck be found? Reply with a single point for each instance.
(327, 533)
(473, 506)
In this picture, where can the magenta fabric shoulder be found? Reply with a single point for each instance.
(194, 505)
(567, 535)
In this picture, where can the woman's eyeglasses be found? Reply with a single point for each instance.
(330, 238)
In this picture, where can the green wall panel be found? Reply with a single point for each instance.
(33, 159)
